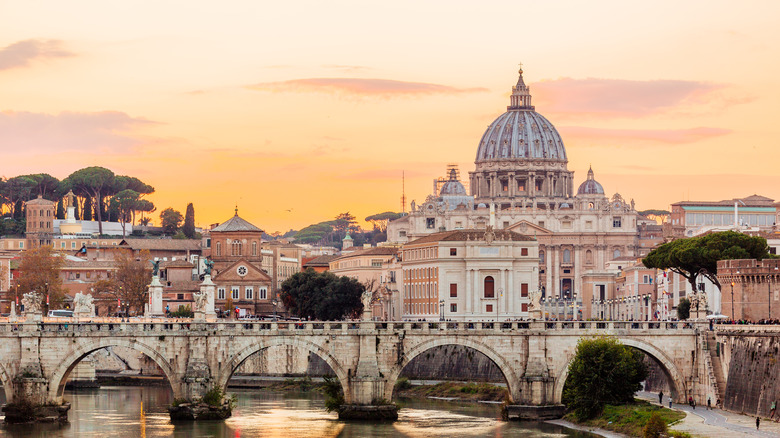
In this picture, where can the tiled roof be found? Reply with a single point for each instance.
(177, 264)
(89, 264)
(464, 235)
(40, 201)
(380, 250)
(323, 260)
(235, 223)
(163, 244)
(750, 201)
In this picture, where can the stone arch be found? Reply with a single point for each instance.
(59, 377)
(232, 365)
(8, 384)
(512, 381)
(675, 377)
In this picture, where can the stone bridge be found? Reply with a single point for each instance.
(367, 357)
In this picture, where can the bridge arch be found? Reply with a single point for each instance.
(675, 377)
(8, 384)
(341, 373)
(59, 376)
(512, 381)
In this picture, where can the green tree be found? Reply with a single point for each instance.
(87, 209)
(170, 220)
(683, 309)
(698, 256)
(189, 222)
(94, 182)
(603, 371)
(60, 209)
(322, 296)
(39, 270)
(655, 426)
(379, 221)
(126, 202)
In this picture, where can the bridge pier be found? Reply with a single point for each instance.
(30, 403)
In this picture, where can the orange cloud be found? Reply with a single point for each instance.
(102, 132)
(22, 53)
(360, 87)
(669, 136)
(618, 97)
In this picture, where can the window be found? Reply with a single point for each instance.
(616, 222)
(523, 251)
(539, 185)
(234, 292)
(524, 307)
(453, 308)
(646, 279)
(588, 257)
(72, 245)
(180, 297)
(453, 290)
(254, 248)
(488, 308)
(541, 256)
(262, 293)
(588, 225)
(62, 245)
(236, 248)
(402, 233)
(453, 251)
(615, 253)
(376, 263)
(701, 287)
(524, 290)
(506, 225)
(566, 225)
(221, 293)
(21, 245)
(504, 185)
(521, 185)
(458, 225)
(430, 222)
(219, 248)
(489, 287)
(249, 293)
(541, 224)
(566, 256)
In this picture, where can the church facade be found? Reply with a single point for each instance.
(521, 183)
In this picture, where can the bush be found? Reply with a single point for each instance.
(603, 371)
(214, 396)
(678, 434)
(334, 395)
(654, 427)
(183, 312)
(683, 309)
(403, 383)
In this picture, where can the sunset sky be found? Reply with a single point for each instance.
(297, 111)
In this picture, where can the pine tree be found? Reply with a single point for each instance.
(189, 222)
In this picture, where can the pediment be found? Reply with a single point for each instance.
(528, 228)
(233, 272)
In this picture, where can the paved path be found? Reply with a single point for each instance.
(716, 423)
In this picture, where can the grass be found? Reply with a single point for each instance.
(631, 418)
(463, 391)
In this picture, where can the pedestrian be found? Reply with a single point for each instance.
(709, 403)
(758, 422)
(661, 398)
(717, 404)
(772, 409)
(670, 402)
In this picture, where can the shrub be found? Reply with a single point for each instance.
(334, 395)
(678, 434)
(654, 427)
(214, 396)
(403, 383)
(183, 312)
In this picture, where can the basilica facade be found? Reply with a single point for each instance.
(521, 183)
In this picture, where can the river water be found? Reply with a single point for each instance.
(111, 412)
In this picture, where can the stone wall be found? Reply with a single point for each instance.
(657, 379)
(753, 372)
(453, 362)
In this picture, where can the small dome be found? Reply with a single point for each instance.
(590, 186)
(452, 187)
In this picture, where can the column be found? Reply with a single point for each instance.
(476, 308)
(556, 269)
(466, 294)
(511, 291)
(548, 271)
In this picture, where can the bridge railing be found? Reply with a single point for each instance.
(115, 325)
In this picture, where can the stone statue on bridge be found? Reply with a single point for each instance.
(32, 302)
(535, 306)
(209, 266)
(83, 305)
(155, 267)
(201, 299)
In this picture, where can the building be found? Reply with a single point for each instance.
(281, 260)
(690, 218)
(238, 267)
(521, 183)
(40, 214)
(469, 275)
(319, 264)
(750, 288)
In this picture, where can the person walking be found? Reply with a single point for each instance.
(670, 402)
(661, 398)
(709, 403)
(758, 422)
(772, 409)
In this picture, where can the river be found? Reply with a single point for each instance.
(113, 412)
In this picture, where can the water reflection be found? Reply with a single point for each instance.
(111, 412)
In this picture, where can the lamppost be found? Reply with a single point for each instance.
(274, 303)
(441, 310)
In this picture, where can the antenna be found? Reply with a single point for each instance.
(403, 191)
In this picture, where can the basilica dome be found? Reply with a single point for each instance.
(521, 133)
(453, 187)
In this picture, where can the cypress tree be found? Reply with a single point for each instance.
(189, 222)
(87, 216)
(60, 209)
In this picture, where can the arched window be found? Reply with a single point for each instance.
(589, 257)
(490, 287)
(254, 248)
(590, 206)
(236, 248)
(616, 253)
(219, 248)
(541, 256)
(566, 256)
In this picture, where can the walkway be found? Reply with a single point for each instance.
(717, 423)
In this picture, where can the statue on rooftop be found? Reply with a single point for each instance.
(155, 267)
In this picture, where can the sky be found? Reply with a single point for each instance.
(298, 111)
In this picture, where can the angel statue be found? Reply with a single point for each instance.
(32, 302)
(201, 298)
(209, 266)
(155, 267)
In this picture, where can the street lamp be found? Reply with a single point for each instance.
(274, 303)
(441, 310)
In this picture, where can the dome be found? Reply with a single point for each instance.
(453, 187)
(521, 133)
(590, 186)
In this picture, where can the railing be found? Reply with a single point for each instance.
(243, 327)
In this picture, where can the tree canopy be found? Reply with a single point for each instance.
(39, 270)
(322, 296)
(698, 256)
(189, 222)
(170, 220)
(379, 221)
(603, 371)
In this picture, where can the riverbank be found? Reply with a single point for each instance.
(630, 419)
